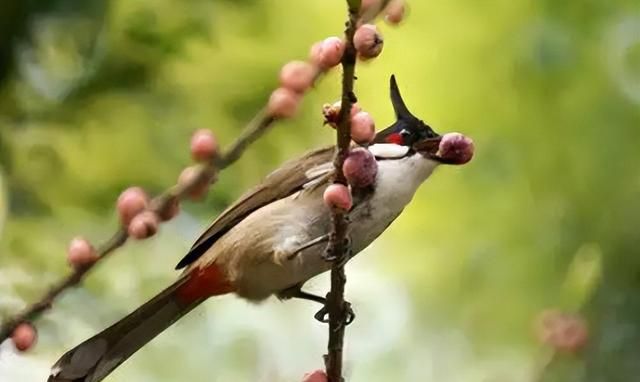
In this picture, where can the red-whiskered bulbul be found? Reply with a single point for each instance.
(272, 240)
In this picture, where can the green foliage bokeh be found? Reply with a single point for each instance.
(96, 96)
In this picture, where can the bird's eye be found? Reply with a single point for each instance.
(408, 137)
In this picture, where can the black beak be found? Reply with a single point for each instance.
(453, 148)
(429, 148)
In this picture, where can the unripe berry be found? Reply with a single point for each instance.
(283, 103)
(144, 225)
(80, 253)
(363, 128)
(204, 145)
(316, 376)
(338, 196)
(456, 148)
(188, 176)
(327, 53)
(315, 53)
(368, 41)
(297, 76)
(130, 203)
(360, 168)
(331, 112)
(564, 332)
(24, 336)
(394, 12)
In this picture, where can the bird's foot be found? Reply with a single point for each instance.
(329, 256)
(309, 244)
(348, 315)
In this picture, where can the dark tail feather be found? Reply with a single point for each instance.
(98, 356)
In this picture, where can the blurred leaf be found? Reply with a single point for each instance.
(583, 276)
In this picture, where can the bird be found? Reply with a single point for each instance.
(273, 238)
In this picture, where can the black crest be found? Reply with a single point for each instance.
(407, 129)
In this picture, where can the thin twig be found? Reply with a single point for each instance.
(370, 13)
(336, 306)
(36, 309)
(205, 172)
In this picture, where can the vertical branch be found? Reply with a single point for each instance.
(337, 249)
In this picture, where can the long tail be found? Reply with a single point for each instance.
(98, 356)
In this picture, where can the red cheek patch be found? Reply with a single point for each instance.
(395, 138)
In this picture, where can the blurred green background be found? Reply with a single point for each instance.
(97, 95)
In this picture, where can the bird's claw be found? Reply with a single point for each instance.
(328, 255)
(349, 314)
(323, 314)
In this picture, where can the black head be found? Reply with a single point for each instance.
(407, 130)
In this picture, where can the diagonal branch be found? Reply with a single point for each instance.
(205, 173)
(337, 247)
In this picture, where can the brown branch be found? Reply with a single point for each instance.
(336, 306)
(36, 309)
(206, 172)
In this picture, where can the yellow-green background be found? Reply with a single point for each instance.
(97, 95)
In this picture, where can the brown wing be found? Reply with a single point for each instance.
(284, 181)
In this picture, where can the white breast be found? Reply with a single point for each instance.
(260, 270)
(396, 183)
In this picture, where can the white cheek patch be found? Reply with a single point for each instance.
(388, 150)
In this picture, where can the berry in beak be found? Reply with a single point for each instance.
(411, 132)
(451, 148)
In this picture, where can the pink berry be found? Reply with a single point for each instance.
(565, 332)
(327, 53)
(171, 211)
(363, 128)
(338, 196)
(283, 103)
(144, 225)
(297, 76)
(188, 176)
(394, 13)
(368, 41)
(331, 112)
(316, 376)
(573, 336)
(203, 145)
(315, 53)
(81, 253)
(130, 203)
(360, 168)
(456, 148)
(24, 336)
